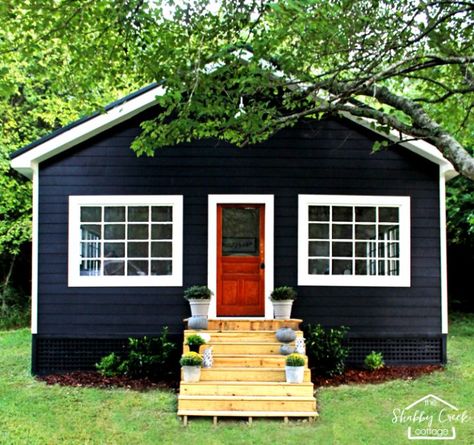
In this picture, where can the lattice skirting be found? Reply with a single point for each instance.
(53, 354)
(399, 350)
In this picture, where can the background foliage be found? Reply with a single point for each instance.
(410, 61)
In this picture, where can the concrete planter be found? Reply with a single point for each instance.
(282, 309)
(191, 374)
(199, 308)
(294, 374)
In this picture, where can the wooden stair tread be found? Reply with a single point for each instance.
(246, 398)
(238, 382)
(187, 412)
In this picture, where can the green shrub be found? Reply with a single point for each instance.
(147, 358)
(197, 293)
(326, 350)
(190, 359)
(14, 309)
(195, 340)
(283, 293)
(109, 365)
(374, 361)
(295, 360)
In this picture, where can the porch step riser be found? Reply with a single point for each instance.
(247, 375)
(241, 405)
(257, 336)
(250, 362)
(252, 325)
(245, 348)
(223, 389)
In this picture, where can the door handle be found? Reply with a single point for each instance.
(262, 265)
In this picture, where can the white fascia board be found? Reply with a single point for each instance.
(86, 130)
(420, 147)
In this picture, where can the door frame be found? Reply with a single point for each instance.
(213, 201)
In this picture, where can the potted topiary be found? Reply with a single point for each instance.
(199, 298)
(282, 298)
(191, 363)
(294, 369)
(194, 341)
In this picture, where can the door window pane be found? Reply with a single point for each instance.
(137, 250)
(240, 231)
(137, 267)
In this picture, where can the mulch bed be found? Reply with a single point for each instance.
(362, 376)
(92, 379)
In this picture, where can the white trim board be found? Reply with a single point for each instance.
(307, 279)
(86, 130)
(443, 251)
(213, 200)
(81, 132)
(34, 250)
(74, 241)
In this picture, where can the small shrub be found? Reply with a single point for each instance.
(325, 349)
(190, 359)
(283, 293)
(109, 366)
(295, 360)
(195, 340)
(374, 361)
(198, 293)
(14, 308)
(146, 358)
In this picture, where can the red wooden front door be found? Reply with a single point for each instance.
(240, 260)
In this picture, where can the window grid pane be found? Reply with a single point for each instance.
(375, 228)
(112, 244)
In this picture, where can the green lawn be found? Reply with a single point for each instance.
(33, 413)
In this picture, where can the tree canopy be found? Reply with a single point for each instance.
(238, 71)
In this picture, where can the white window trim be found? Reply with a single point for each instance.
(305, 279)
(214, 200)
(76, 280)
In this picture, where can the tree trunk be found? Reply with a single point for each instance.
(5, 284)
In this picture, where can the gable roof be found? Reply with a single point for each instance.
(123, 109)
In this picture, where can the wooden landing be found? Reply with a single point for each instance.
(247, 379)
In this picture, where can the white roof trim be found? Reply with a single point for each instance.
(419, 146)
(86, 130)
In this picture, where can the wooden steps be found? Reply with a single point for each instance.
(247, 378)
(211, 387)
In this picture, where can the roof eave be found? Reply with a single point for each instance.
(23, 163)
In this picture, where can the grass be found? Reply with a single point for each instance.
(32, 413)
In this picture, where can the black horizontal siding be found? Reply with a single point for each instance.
(327, 157)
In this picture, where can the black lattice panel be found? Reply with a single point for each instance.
(397, 350)
(70, 354)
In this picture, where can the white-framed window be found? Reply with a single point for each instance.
(125, 241)
(348, 240)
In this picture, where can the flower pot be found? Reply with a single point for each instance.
(191, 373)
(294, 374)
(194, 348)
(285, 335)
(199, 322)
(282, 309)
(199, 308)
